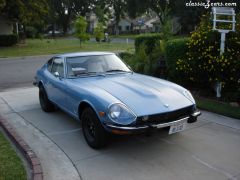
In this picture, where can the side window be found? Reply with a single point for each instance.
(49, 65)
(57, 66)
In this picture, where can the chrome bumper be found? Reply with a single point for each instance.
(183, 120)
(189, 119)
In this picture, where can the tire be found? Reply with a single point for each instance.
(45, 103)
(94, 133)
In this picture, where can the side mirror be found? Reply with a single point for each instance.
(56, 74)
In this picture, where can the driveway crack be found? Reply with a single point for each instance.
(227, 174)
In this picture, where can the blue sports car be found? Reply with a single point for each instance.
(101, 91)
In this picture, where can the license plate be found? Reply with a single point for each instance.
(177, 127)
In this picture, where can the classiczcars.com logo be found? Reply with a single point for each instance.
(208, 4)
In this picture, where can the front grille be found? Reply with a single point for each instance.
(166, 117)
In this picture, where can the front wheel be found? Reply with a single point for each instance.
(95, 135)
(45, 103)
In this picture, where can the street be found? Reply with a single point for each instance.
(18, 71)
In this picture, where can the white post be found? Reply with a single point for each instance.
(223, 38)
(233, 24)
(226, 12)
(218, 89)
(214, 21)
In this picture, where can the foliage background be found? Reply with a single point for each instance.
(204, 66)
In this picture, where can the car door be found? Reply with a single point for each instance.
(56, 83)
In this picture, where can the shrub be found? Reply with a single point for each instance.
(39, 36)
(98, 32)
(80, 29)
(141, 62)
(175, 49)
(150, 41)
(8, 40)
(31, 32)
(203, 65)
(126, 56)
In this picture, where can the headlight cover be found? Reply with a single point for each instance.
(188, 95)
(120, 114)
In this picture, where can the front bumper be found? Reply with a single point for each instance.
(115, 129)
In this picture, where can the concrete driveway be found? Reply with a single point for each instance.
(208, 149)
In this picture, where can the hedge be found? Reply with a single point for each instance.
(31, 31)
(175, 49)
(8, 40)
(126, 56)
(149, 41)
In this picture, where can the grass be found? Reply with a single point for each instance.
(11, 166)
(129, 36)
(48, 46)
(133, 36)
(218, 107)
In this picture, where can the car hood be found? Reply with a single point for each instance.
(144, 95)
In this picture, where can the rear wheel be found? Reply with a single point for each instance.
(45, 103)
(95, 135)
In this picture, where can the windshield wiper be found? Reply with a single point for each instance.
(89, 73)
(117, 70)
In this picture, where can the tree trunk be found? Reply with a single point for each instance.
(53, 30)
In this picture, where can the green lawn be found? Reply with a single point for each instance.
(218, 107)
(11, 166)
(48, 46)
(124, 36)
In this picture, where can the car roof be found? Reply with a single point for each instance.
(94, 53)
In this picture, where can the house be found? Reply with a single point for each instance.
(129, 26)
(125, 26)
(6, 26)
(92, 21)
(144, 24)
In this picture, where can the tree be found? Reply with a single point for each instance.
(80, 29)
(2, 4)
(99, 32)
(102, 11)
(52, 16)
(119, 8)
(203, 65)
(26, 12)
(136, 8)
(189, 16)
(161, 8)
(67, 10)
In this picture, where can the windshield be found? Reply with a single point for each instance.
(93, 65)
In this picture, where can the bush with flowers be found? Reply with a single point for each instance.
(203, 64)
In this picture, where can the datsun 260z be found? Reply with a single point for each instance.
(101, 91)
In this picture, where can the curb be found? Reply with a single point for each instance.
(31, 157)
